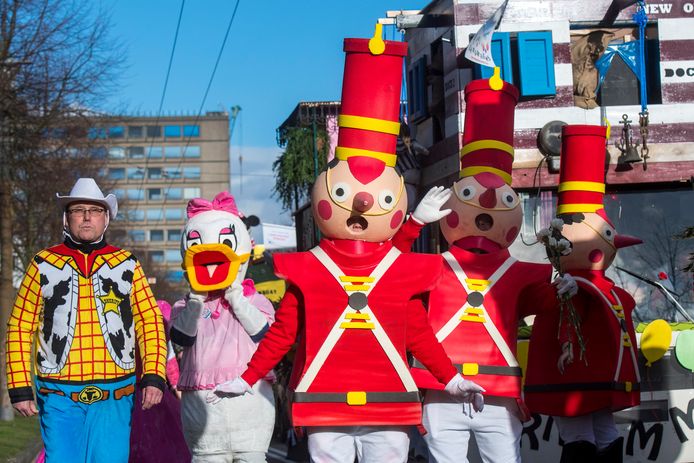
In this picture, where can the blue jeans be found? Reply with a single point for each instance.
(86, 422)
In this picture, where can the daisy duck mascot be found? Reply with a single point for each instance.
(219, 325)
(475, 308)
(582, 393)
(353, 302)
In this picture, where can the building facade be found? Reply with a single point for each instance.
(155, 166)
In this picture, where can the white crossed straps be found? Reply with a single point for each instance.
(615, 309)
(337, 329)
(483, 315)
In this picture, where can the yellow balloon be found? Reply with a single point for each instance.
(655, 340)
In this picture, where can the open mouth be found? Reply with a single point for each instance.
(484, 222)
(357, 224)
(211, 267)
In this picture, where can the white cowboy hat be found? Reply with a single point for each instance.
(86, 189)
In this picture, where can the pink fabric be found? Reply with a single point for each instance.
(224, 201)
(172, 373)
(222, 346)
(165, 309)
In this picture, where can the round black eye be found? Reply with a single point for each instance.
(509, 198)
(339, 191)
(466, 192)
(608, 232)
(388, 199)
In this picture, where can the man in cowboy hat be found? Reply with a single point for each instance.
(89, 304)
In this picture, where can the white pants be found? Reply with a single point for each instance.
(236, 429)
(370, 444)
(597, 428)
(449, 424)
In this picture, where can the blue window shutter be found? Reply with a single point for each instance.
(536, 64)
(501, 52)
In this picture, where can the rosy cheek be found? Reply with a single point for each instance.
(452, 219)
(595, 256)
(325, 211)
(396, 221)
(511, 235)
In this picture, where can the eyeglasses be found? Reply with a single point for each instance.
(93, 211)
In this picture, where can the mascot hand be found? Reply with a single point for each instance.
(232, 388)
(466, 391)
(566, 357)
(429, 208)
(566, 286)
(187, 321)
(252, 319)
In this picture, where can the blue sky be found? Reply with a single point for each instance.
(277, 54)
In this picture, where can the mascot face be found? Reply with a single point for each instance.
(486, 214)
(595, 242)
(359, 199)
(216, 247)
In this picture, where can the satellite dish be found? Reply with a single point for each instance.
(549, 138)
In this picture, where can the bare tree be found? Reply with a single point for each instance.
(57, 63)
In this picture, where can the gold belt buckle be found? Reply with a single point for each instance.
(470, 369)
(356, 398)
(90, 394)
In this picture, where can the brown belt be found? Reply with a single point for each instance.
(91, 394)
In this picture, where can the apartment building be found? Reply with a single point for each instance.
(157, 164)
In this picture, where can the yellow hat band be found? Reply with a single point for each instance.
(572, 208)
(596, 187)
(343, 154)
(486, 144)
(368, 123)
(470, 171)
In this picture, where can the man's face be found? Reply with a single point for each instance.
(86, 221)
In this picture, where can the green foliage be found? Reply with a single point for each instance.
(295, 169)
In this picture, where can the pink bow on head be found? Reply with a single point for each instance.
(222, 202)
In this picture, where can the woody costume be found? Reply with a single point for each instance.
(85, 305)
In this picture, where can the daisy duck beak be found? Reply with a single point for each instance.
(623, 241)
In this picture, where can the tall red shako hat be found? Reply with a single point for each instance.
(369, 119)
(488, 133)
(582, 173)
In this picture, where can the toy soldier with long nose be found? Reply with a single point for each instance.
(582, 394)
(353, 302)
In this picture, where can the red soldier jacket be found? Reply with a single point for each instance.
(609, 377)
(474, 311)
(355, 309)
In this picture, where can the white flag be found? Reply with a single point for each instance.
(480, 48)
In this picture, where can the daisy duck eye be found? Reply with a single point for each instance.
(509, 199)
(193, 238)
(386, 199)
(227, 236)
(608, 233)
(340, 192)
(467, 193)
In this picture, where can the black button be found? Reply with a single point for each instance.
(475, 299)
(358, 301)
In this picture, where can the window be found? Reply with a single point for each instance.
(119, 193)
(526, 60)
(137, 235)
(136, 152)
(417, 89)
(190, 193)
(136, 173)
(174, 235)
(172, 213)
(135, 131)
(172, 131)
(116, 152)
(156, 235)
(96, 133)
(135, 195)
(154, 173)
(135, 215)
(192, 151)
(172, 151)
(173, 255)
(117, 131)
(157, 257)
(155, 152)
(191, 172)
(175, 275)
(174, 193)
(116, 173)
(153, 131)
(171, 172)
(154, 215)
(191, 130)
(154, 194)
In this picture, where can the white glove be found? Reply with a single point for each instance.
(232, 388)
(252, 319)
(429, 208)
(187, 320)
(566, 285)
(466, 391)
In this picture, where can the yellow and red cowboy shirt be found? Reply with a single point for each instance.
(88, 311)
